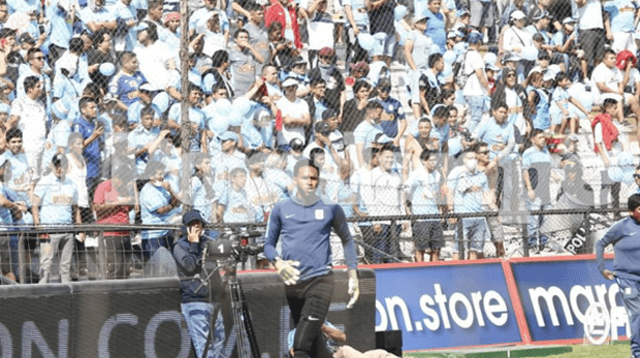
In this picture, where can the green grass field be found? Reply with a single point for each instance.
(579, 351)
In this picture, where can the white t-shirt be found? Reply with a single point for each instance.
(32, 122)
(514, 37)
(153, 63)
(294, 109)
(611, 77)
(472, 62)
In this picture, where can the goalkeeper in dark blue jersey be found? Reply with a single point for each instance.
(303, 224)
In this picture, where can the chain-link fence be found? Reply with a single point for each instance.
(130, 113)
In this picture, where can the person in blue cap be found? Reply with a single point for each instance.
(196, 305)
(624, 235)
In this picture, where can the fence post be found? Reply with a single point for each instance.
(461, 241)
(101, 256)
(588, 244)
(525, 240)
(22, 260)
(395, 244)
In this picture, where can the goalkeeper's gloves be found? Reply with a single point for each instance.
(288, 271)
(354, 288)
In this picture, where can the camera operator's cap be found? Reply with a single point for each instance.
(289, 81)
(569, 20)
(5, 108)
(326, 52)
(462, 12)
(328, 113)
(474, 38)
(193, 215)
(26, 38)
(60, 109)
(322, 127)
(297, 144)
(228, 135)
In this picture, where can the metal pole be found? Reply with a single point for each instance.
(525, 241)
(461, 241)
(184, 92)
(22, 259)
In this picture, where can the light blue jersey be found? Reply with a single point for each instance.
(57, 198)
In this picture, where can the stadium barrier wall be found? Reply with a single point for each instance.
(492, 302)
(141, 318)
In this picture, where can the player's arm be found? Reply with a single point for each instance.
(273, 232)
(610, 237)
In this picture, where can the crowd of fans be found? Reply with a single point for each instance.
(92, 132)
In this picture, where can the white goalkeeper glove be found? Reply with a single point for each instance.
(354, 288)
(288, 271)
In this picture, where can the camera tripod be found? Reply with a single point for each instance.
(242, 332)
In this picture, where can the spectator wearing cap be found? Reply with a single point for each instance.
(592, 31)
(316, 99)
(357, 22)
(29, 115)
(156, 58)
(321, 140)
(55, 199)
(477, 86)
(37, 66)
(622, 16)
(566, 42)
(144, 93)
(258, 36)
(284, 12)
(327, 70)
(417, 48)
(517, 38)
(227, 158)
(243, 58)
(294, 114)
(364, 132)
(100, 54)
(124, 85)
(299, 72)
(358, 71)
(319, 26)
(393, 121)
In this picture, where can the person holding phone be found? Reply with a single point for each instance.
(93, 135)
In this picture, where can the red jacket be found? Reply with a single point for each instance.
(275, 12)
(609, 131)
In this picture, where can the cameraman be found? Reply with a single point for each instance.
(197, 308)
